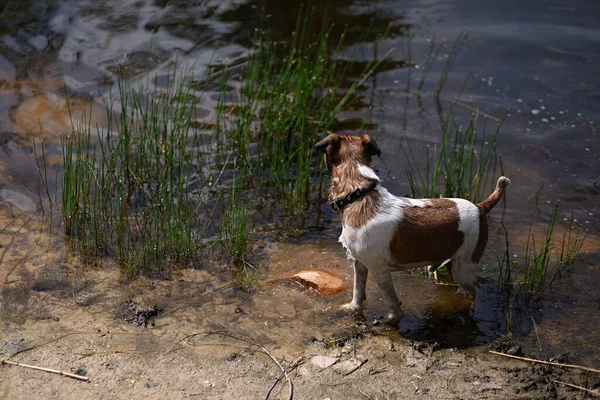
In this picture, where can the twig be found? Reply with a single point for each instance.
(10, 223)
(415, 385)
(440, 283)
(289, 368)
(255, 343)
(93, 353)
(54, 371)
(35, 346)
(592, 392)
(283, 370)
(546, 362)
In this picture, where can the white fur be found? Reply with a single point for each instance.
(468, 224)
(367, 172)
(369, 245)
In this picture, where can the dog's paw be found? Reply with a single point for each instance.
(390, 319)
(350, 307)
(394, 317)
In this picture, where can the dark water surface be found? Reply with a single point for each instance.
(537, 59)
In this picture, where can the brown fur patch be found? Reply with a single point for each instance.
(357, 214)
(493, 199)
(427, 234)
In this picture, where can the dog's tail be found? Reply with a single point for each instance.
(489, 203)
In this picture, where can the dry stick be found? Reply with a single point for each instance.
(546, 362)
(289, 368)
(592, 392)
(261, 348)
(283, 370)
(54, 371)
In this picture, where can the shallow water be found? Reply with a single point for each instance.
(536, 59)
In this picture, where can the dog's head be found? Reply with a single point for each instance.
(344, 148)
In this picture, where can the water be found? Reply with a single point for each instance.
(538, 60)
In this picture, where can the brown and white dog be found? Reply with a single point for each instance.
(382, 232)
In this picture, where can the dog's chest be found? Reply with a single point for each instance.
(370, 243)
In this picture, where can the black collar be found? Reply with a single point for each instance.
(339, 204)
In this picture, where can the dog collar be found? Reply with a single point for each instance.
(339, 204)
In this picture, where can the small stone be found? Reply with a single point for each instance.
(323, 361)
(303, 371)
(349, 366)
(19, 200)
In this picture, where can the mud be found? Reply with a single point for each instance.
(139, 315)
(198, 336)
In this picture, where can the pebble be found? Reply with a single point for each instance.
(323, 361)
(349, 366)
(21, 201)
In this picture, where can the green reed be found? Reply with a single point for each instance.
(463, 165)
(153, 192)
(458, 43)
(537, 257)
(124, 188)
(525, 280)
(284, 105)
(571, 245)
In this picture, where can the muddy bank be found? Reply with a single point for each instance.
(177, 359)
(198, 336)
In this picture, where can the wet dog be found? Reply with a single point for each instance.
(382, 232)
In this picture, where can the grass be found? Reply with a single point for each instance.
(458, 44)
(124, 190)
(537, 257)
(155, 190)
(464, 164)
(526, 280)
(571, 245)
(284, 106)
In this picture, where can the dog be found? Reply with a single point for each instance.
(382, 232)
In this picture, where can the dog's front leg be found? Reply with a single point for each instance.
(360, 287)
(383, 279)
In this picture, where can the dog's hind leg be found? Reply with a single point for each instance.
(465, 274)
(360, 286)
(383, 279)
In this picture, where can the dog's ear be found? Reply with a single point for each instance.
(370, 146)
(331, 139)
